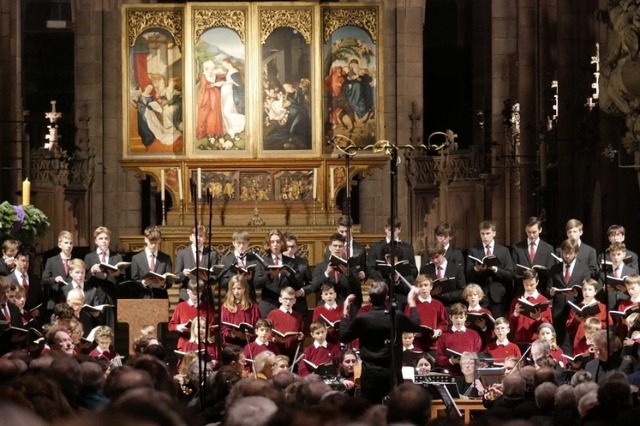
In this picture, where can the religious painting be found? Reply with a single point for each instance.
(154, 83)
(351, 75)
(219, 79)
(286, 64)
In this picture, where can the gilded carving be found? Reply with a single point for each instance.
(291, 186)
(208, 18)
(300, 20)
(366, 19)
(140, 20)
(256, 187)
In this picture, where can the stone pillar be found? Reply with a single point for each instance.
(115, 195)
(504, 44)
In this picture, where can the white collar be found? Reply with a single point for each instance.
(283, 309)
(331, 307)
(504, 342)
(410, 348)
(535, 295)
(461, 329)
(476, 308)
(425, 300)
(317, 345)
(259, 342)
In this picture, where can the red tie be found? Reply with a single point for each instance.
(276, 261)
(103, 257)
(532, 252)
(439, 273)
(567, 274)
(488, 250)
(65, 262)
(346, 250)
(198, 257)
(616, 272)
(152, 262)
(25, 284)
(6, 313)
(337, 276)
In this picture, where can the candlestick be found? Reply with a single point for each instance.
(180, 194)
(199, 183)
(331, 182)
(162, 184)
(315, 185)
(26, 192)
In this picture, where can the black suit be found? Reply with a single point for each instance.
(497, 286)
(6, 345)
(140, 267)
(631, 259)
(52, 269)
(375, 253)
(304, 276)
(269, 297)
(373, 328)
(613, 297)
(543, 257)
(587, 256)
(356, 251)
(559, 307)
(185, 259)
(452, 270)
(346, 284)
(107, 285)
(520, 254)
(454, 255)
(36, 295)
(4, 269)
(249, 259)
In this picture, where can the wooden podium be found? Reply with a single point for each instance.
(141, 312)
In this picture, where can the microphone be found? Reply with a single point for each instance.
(331, 141)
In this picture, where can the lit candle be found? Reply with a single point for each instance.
(315, 185)
(331, 182)
(180, 195)
(199, 183)
(162, 184)
(26, 192)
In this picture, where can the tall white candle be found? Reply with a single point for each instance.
(162, 184)
(315, 185)
(180, 195)
(199, 183)
(331, 182)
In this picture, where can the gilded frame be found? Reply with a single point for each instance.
(152, 86)
(317, 28)
(219, 39)
(289, 124)
(352, 74)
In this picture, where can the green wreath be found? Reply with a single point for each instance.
(23, 223)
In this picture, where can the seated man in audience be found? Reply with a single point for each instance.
(608, 358)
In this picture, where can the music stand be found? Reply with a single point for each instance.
(490, 376)
(449, 403)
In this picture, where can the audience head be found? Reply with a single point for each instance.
(513, 386)
(409, 403)
(250, 411)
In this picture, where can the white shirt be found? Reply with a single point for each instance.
(456, 330)
(425, 300)
(317, 345)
